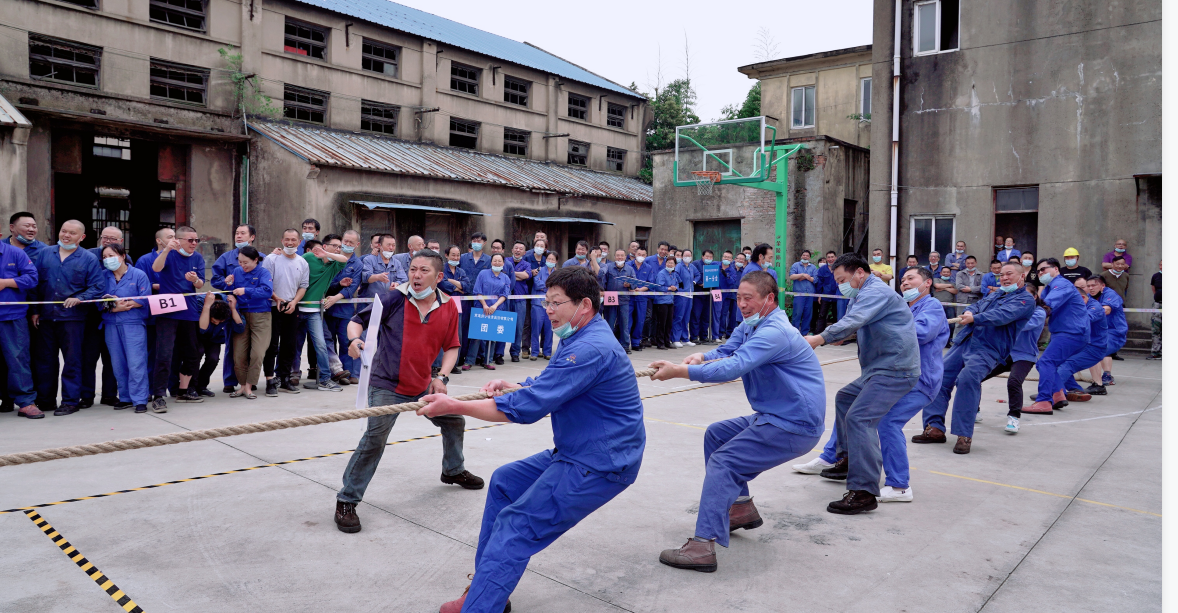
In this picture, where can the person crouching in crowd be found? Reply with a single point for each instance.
(219, 321)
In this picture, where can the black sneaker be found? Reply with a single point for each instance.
(119, 406)
(159, 405)
(189, 396)
(627, 351)
(287, 387)
(228, 389)
(86, 403)
(7, 406)
(272, 388)
(499, 360)
(207, 393)
(853, 503)
(141, 408)
(1097, 390)
(345, 517)
(66, 409)
(464, 479)
(1117, 357)
(515, 358)
(109, 401)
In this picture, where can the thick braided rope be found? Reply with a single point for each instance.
(45, 455)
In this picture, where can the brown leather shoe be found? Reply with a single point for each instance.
(455, 606)
(1075, 396)
(1041, 407)
(1059, 400)
(930, 435)
(963, 443)
(345, 517)
(744, 515)
(464, 479)
(693, 555)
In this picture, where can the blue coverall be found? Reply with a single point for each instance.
(785, 387)
(618, 317)
(519, 306)
(31, 336)
(647, 271)
(754, 267)
(491, 288)
(61, 329)
(700, 309)
(803, 305)
(222, 268)
(1068, 324)
(889, 358)
(1093, 352)
(94, 348)
(126, 335)
(541, 325)
(14, 327)
(590, 392)
(1118, 326)
(730, 312)
(997, 320)
(680, 331)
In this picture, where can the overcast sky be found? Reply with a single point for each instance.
(622, 40)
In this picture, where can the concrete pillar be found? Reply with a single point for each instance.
(251, 36)
(429, 93)
(550, 151)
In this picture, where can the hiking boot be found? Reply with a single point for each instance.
(1097, 390)
(272, 388)
(1059, 400)
(838, 472)
(693, 555)
(854, 502)
(931, 434)
(1076, 396)
(345, 517)
(159, 405)
(464, 479)
(1041, 407)
(962, 446)
(744, 515)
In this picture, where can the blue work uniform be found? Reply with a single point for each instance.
(618, 317)
(490, 287)
(1026, 344)
(1118, 326)
(61, 329)
(574, 261)
(1069, 328)
(519, 306)
(646, 271)
(979, 347)
(785, 387)
(14, 325)
(889, 358)
(374, 265)
(336, 318)
(735, 272)
(590, 392)
(221, 268)
(681, 330)
(94, 348)
(472, 267)
(1008, 254)
(126, 335)
(754, 267)
(455, 273)
(827, 285)
(989, 280)
(541, 324)
(803, 305)
(700, 311)
(1092, 353)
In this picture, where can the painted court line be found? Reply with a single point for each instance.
(1027, 489)
(1072, 421)
(92, 571)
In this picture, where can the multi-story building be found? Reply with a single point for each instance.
(379, 117)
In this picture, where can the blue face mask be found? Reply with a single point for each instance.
(726, 262)
(308, 236)
(739, 265)
(1119, 250)
(754, 319)
(1045, 277)
(497, 268)
(580, 256)
(566, 329)
(911, 294)
(805, 261)
(848, 291)
(185, 252)
(23, 240)
(707, 260)
(876, 258)
(538, 250)
(476, 246)
(550, 264)
(422, 295)
(670, 269)
(678, 260)
(240, 245)
(1009, 288)
(112, 263)
(347, 249)
(67, 247)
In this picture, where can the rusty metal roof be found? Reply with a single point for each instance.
(340, 149)
(10, 116)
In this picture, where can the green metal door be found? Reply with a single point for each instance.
(717, 236)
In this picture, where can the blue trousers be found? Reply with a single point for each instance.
(965, 369)
(1115, 342)
(618, 318)
(718, 317)
(366, 457)
(127, 344)
(803, 312)
(14, 347)
(1060, 349)
(94, 349)
(681, 320)
(840, 307)
(736, 451)
(541, 332)
(859, 407)
(1085, 359)
(228, 374)
(637, 320)
(734, 315)
(335, 332)
(520, 308)
(64, 337)
(700, 314)
(530, 504)
(893, 445)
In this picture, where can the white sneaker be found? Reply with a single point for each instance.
(890, 494)
(689, 344)
(1011, 424)
(813, 467)
(978, 418)
(677, 345)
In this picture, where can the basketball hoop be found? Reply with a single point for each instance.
(704, 180)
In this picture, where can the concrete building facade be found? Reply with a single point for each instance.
(1040, 121)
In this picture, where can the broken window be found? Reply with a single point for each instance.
(578, 153)
(615, 115)
(515, 91)
(304, 104)
(937, 27)
(578, 107)
(188, 14)
(377, 117)
(305, 39)
(464, 79)
(464, 133)
(179, 83)
(615, 159)
(802, 104)
(65, 61)
(515, 142)
(378, 57)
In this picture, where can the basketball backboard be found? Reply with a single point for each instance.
(737, 149)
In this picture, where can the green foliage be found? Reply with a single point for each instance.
(804, 162)
(247, 97)
(751, 107)
(671, 106)
(860, 117)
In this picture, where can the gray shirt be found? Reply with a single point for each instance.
(289, 274)
(973, 283)
(374, 265)
(885, 330)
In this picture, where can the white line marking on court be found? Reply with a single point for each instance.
(1072, 421)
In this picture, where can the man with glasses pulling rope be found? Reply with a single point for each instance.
(784, 384)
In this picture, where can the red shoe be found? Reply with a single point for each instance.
(1039, 408)
(489, 366)
(455, 606)
(31, 411)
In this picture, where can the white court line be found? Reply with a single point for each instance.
(1072, 421)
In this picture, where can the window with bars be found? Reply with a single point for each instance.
(377, 117)
(578, 153)
(615, 159)
(305, 39)
(464, 133)
(464, 79)
(379, 57)
(188, 14)
(515, 142)
(304, 104)
(616, 115)
(578, 107)
(515, 91)
(64, 61)
(178, 82)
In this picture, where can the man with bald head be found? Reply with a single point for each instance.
(415, 244)
(67, 275)
(94, 345)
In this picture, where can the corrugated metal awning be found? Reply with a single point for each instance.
(11, 117)
(567, 220)
(415, 207)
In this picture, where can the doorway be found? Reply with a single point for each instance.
(717, 235)
(1016, 214)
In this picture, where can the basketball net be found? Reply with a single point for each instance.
(704, 181)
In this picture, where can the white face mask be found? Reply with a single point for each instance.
(290, 250)
(640, 259)
(388, 255)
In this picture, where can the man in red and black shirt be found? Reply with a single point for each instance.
(414, 322)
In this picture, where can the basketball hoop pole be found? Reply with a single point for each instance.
(778, 156)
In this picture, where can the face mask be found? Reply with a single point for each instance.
(998, 246)
(739, 265)
(422, 295)
(347, 249)
(476, 246)
(1009, 288)
(707, 260)
(1045, 277)
(23, 240)
(308, 236)
(911, 294)
(240, 245)
(670, 269)
(1029, 262)
(960, 251)
(497, 268)
(112, 263)
(538, 250)
(726, 262)
(455, 262)
(550, 264)
(754, 319)
(1116, 273)
(566, 329)
(944, 278)
(678, 260)
(67, 247)
(848, 291)
(1119, 250)
(580, 257)
(601, 260)
(876, 258)
(1070, 262)
(640, 259)
(388, 255)
(619, 264)
(971, 269)
(805, 260)
(290, 250)
(185, 252)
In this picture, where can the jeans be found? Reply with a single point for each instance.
(280, 355)
(93, 349)
(520, 308)
(803, 312)
(618, 318)
(367, 455)
(1060, 348)
(127, 344)
(541, 332)
(66, 337)
(14, 347)
(859, 407)
(736, 451)
(313, 320)
(964, 369)
(335, 332)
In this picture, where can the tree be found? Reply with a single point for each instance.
(750, 108)
(671, 106)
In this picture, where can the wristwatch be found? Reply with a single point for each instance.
(444, 378)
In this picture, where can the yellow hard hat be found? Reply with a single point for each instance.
(1071, 251)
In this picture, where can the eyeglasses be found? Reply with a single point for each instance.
(191, 240)
(550, 305)
(1041, 269)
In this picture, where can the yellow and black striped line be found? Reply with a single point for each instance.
(103, 582)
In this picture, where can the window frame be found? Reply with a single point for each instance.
(473, 82)
(167, 6)
(933, 235)
(86, 4)
(865, 86)
(584, 112)
(813, 113)
(524, 134)
(366, 56)
(574, 143)
(620, 115)
(74, 47)
(326, 44)
(477, 127)
(611, 159)
(307, 106)
(204, 73)
(382, 120)
(937, 29)
(526, 94)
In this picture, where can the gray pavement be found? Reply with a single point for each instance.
(1063, 516)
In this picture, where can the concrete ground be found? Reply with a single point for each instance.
(1065, 516)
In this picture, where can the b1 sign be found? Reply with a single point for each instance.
(166, 303)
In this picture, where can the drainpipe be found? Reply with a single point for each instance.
(895, 141)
